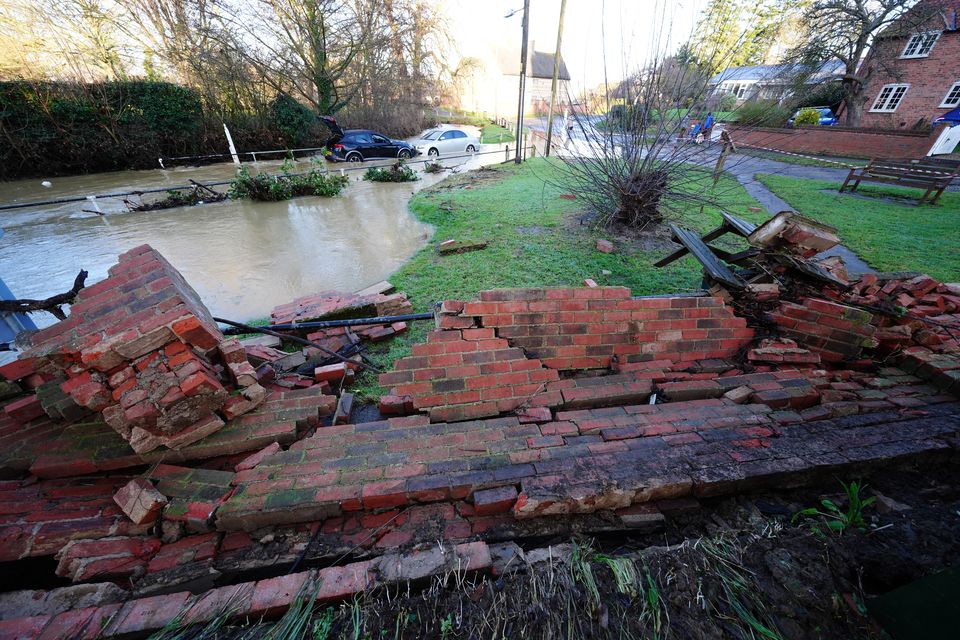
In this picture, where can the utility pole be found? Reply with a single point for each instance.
(556, 74)
(523, 79)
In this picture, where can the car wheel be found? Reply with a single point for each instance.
(433, 153)
(471, 148)
(354, 156)
(403, 154)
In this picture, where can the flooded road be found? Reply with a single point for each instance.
(242, 257)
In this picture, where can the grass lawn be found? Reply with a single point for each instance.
(535, 241)
(890, 235)
(494, 133)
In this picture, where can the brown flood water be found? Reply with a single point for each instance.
(242, 257)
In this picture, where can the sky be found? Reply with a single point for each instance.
(630, 28)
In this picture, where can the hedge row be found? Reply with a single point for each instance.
(60, 128)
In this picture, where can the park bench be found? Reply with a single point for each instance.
(933, 177)
(934, 161)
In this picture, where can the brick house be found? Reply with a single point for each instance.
(914, 68)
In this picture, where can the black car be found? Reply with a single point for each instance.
(356, 145)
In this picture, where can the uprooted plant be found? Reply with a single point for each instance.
(286, 185)
(397, 172)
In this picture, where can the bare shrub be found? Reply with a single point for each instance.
(655, 154)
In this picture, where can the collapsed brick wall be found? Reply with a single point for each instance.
(834, 331)
(462, 374)
(588, 328)
(140, 348)
(505, 351)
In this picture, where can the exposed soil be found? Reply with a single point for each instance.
(654, 237)
(482, 176)
(736, 568)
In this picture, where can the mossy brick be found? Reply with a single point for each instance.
(290, 498)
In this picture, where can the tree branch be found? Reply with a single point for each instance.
(51, 304)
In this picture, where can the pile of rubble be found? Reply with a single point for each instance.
(520, 406)
(141, 350)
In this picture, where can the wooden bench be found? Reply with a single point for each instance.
(713, 258)
(932, 177)
(730, 224)
(933, 161)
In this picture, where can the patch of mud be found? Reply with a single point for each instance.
(483, 176)
(533, 230)
(653, 238)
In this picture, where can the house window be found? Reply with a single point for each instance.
(890, 97)
(920, 44)
(739, 89)
(952, 99)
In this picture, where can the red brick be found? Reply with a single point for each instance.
(330, 373)
(18, 369)
(273, 595)
(494, 501)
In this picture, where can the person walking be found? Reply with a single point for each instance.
(708, 127)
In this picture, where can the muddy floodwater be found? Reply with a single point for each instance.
(242, 257)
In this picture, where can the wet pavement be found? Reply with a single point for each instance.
(242, 257)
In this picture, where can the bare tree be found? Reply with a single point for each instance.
(303, 47)
(845, 30)
(76, 39)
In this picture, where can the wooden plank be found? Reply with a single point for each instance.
(711, 264)
(739, 226)
(734, 258)
(381, 287)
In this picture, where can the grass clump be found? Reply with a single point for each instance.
(882, 224)
(397, 172)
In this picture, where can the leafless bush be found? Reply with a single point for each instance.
(652, 156)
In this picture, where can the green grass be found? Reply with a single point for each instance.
(889, 235)
(494, 134)
(534, 241)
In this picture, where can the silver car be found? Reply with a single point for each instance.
(446, 142)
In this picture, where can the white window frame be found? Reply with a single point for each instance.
(884, 106)
(954, 91)
(919, 39)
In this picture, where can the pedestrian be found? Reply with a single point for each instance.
(695, 133)
(708, 127)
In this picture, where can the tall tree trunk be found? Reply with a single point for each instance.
(854, 106)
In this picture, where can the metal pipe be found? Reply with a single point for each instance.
(307, 343)
(329, 324)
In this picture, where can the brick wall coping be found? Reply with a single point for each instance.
(863, 130)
